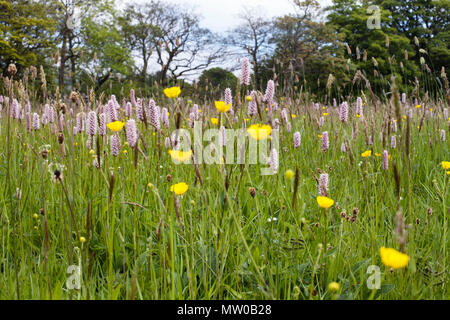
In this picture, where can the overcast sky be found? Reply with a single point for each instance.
(222, 15)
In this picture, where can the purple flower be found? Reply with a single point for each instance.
(112, 111)
(36, 122)
(223, 136)
(92, 123)
(297, 139)
(252, 106)
(155, 115)
(443, 135)
(245, 72)
(323, 185)
(115, 145)
(385, 160)
(284, 115)
(103, 124)
(229, 99)
(165, 118)
(28, 116)
(288, 127)
(325, 141)
(139, 110)
(270, 92)
(343, 112)
(52, 115)
(394, 126)
(128, 109)
(343, 148)
(321, 121)
(393, 142)
(273, 160)
(132, 136)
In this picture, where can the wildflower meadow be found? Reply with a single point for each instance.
(255, 191)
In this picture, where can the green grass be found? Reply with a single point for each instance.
(226, 249)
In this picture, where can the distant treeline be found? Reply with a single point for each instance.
(328, 52)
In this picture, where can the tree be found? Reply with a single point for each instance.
(67, 37)
(182, 47)
(252, 36)
(378, 53)
(217, 80)
(69, 15)
(105, 54)
(426, 20)
(305, 49)
(140, 32)
(26, 32)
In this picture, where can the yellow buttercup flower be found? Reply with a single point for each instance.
(445, 165)
(325, 202)
(116, 126)
(334, 287)
(418, 106)
(358, 115)
(289, 174)
(393, 258)
(366, 154)
(215, 121)
(377, 154)
(259, 132)
(319, 136)
(180, 156)
(248, 98)
(325, 114)
(173, 92)
(293, 116)
(222, 107)
(179, 188)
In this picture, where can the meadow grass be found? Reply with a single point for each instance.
(118, 221)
